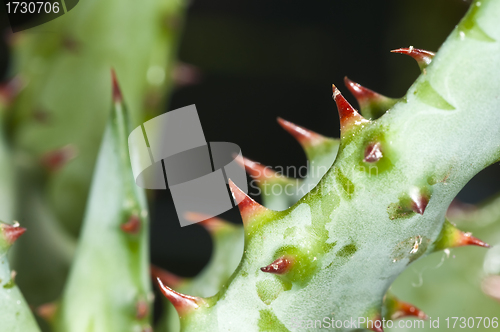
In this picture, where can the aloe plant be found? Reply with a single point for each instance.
(337, 250)
(15, 315)
(108, 288)
(373, 201)
(61, 113)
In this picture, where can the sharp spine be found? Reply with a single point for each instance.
(423, 57)
(11, 232)
(248, 207)
(117, 94)
(167, 277)
(348, 115)
(280, 266)
(373, 153)
(133, 225)
(184, 304)
(307, 138)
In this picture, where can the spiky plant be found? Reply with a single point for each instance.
(61, 113)
(55, 110)
(379, 207)
(373, 202)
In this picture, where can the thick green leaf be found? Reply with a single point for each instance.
(109, 285)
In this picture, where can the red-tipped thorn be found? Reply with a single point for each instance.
(256, 170)
(347, 114)
(378, 326)
(141, 309)
(11, 232)
(168, 278)
(182, 303)
(404, 309)
(184, 74)
(248, 207)
(307, 138)
(133, 225)
(466, 239)
(363, 95)
(117, 94)
(373, 153)
(419, 201)
(71, 44)
(56, 159)
(47, 311)
(211, 224)
(280, 266)
(10, 89)
(452, 237)
(423, 57)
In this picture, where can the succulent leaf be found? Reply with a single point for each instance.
(336, 228)
(15, 314)
(228, 241)
(72, 73)
(109, 276)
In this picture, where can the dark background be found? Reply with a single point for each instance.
(262, 59)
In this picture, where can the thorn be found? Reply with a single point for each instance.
(248, 207)
(423, 57)
(419, 200)
(11, 232)
(380, 328)
(71, 44)
(468, 240)
(54, 160)
(133, 225)
(400, 309)
(347, 114)
(313, 143)
(141, 309)
(184, 74)
(117, 94)
(182, 303)
(167, 277)
(256, 170)
(307, 138)
(280, 266)
(373, 153)
(41, 115)
(365, 96)
(47, 311)
(211, 224)
(10, 89)
(172, 22)
(452, 237)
